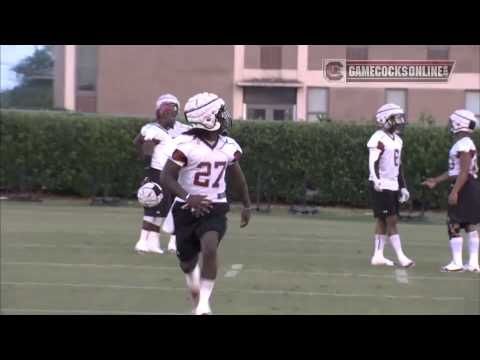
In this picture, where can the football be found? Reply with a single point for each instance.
(150, 194)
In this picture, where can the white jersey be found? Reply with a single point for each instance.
(157, 133)
(463, 145)
(178, 129)
(204, 165)
(162, 137)
(389, 161)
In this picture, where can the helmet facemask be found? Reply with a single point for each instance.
(225, 118)
(395, 123)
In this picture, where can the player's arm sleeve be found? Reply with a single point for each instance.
(178, 154)
(144, 129)
(153, 136)
(374, 156)
(236, 153)
(467, 147)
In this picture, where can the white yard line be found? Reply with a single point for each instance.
(237, 291)
(234, 271)
(84, 311)
(93, 266)
(274, 238)
(263, 253)
(231, 273)
(250, 270)
(401, 276)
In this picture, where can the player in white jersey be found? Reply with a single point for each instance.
(195, 173)
(386, 183)
(150, 143)
(178, 129)
(464, 191)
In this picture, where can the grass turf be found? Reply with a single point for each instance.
(66, 257)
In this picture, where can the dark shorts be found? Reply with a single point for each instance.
(467, 210)
(162, 209)
(384, 203)
(189, 229)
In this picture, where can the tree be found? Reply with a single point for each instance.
(35, 88)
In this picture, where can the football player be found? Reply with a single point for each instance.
(387, 187)
(464, 191)
(150, 142)
(195, 172)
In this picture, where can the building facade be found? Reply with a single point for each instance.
(275, 82)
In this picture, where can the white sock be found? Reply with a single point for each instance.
(456, 244)
(143, 236)
(142, 240)
(379, 244)
(153, 240)
(193, 278)
(397, 246)
(206, 288)
(172, 241)
(473, 247)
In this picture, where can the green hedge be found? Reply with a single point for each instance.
(87, 154)
(69, 153)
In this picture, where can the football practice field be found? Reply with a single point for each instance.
(66, 257)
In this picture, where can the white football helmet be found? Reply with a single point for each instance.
(207, 111)
(166, 99)
(389, 115)
(150, 194)
(462, 120)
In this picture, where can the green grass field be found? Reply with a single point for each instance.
(66, 257)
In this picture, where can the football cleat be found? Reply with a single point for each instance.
(407, 263)
(141, 247)
(203, 310)
(472, 268)
(452, 267)
(380, 260)
(153, 244)
(156, 250)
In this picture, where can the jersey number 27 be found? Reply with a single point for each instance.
(202, 178)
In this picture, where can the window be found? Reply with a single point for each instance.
(271, 57)
(270, 103)
(86, 67)
(357, 52)
(256, 114)
(398, 97)
(279, 114)
(317, 104)
(472, 102)
(437, 52)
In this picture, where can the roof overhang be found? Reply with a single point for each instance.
(270, 83)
